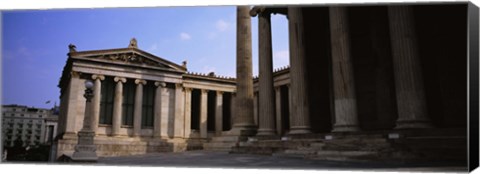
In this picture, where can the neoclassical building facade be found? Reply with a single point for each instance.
(383, 71)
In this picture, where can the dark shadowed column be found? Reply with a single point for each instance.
(243, 120)
(300, 122)
(266, 103)
(412, 110)
(346, 118)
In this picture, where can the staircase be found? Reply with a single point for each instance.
(221, 144)
(431, 146)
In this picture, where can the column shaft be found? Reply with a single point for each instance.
(157, 124)
(342, 66)
(233, 109)
(243, 121)
(266, 104)
(290, 106)
(203, 113)
(179, 112)
(300, 123)
(412, 110)
(137, 107)
(97, 95)
(219, 113)
(165, 112)
(255, 109)
(188, 112)
(278, 109)
(117, 106)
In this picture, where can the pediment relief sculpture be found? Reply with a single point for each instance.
(130, 58)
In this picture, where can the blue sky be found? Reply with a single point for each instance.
(35, 42)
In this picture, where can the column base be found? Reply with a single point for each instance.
(346, 128)
(266, 132)
(84, 154)
(300, 130)
(414, 124)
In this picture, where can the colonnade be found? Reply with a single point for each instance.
(161, 122)
(410, 93)
(203, 122)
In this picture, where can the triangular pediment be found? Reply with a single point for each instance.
(128, 56)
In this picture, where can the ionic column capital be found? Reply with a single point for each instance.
(75, 74)
(277, 88)
(204, 90)
(140, 81)
(97, 76)
(160, 84)
(220, 92)
(120, 79)
(188, 89)
(178, 85)
(257, 10)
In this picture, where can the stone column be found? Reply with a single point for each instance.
(117, 105)
(412, 109)
(188, 112)
(265, 81)
(278, 109)
(157, 124)
(219, 113)
(243, 120)
(346, 118)
(97, 95)
(179, 111)
(300, 123)
(203, 113)
(290, 106)
(137, 107)
(255, 109)
(165, 112)
(232, 109)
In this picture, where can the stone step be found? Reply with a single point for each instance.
(436, 142)
(254, 150)
(356, 146)
(344, 155)
(288, 155)
(218, 146)
(300, 151)
(227, 139)
(318, 145)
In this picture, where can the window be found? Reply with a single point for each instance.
(147, 105)
(128, 103)
(106, 101)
